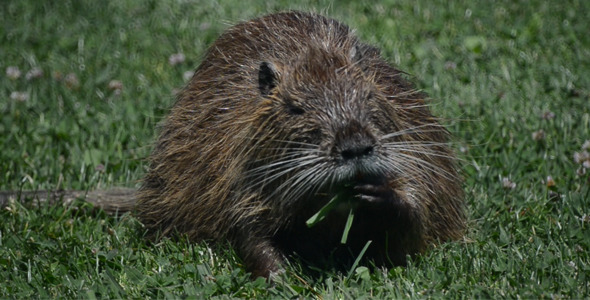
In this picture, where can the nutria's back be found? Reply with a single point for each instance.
(284, 113)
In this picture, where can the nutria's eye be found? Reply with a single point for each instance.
(294, 110)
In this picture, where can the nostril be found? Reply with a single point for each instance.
(368, 151)
(347, 154)
(356, 152)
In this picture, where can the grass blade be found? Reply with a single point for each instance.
(347, 226)
(322, 213)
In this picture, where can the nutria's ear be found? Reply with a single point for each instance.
(267, 77)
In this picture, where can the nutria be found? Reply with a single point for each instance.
(284, 113)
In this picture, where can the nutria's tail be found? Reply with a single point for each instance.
(119, 200)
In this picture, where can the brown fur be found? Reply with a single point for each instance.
(285, 112)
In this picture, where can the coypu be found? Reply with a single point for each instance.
(285, 112)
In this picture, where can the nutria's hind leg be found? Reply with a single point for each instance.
(261, 258)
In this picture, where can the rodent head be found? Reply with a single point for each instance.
(325, 122)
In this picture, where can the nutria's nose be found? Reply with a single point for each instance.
(356, 151)
(353, 141)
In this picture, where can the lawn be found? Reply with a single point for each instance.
(85, 83)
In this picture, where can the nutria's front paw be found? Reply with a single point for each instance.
(374, 193)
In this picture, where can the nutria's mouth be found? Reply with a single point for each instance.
(368, 170)
(346, 186)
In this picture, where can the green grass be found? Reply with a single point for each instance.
(493, 69)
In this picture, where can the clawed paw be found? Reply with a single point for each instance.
(374, 193)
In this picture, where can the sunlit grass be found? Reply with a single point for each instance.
(85, 83)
